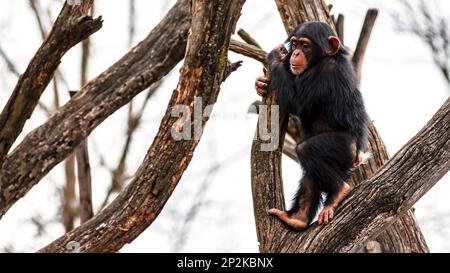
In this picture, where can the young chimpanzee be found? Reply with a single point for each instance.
(315, 80)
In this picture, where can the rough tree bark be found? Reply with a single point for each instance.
(49, 144)
(71, 27)
(403, 236)
(204, 69)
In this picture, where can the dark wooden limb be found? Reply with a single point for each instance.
(340, 27)
(11, 67)
(249, 51)
(84, 182)
(139, 204)
(69, 208)
(71, 27)
(366, 31)
(52, 142)
(247, 38)
(267, 184)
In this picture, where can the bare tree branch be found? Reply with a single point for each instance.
(84, 182)
(71, 27)
(366, 31)
(249, 51)
(9, 63)
(12, 68)
(340, 27)
(52, 142)
(248, 39)
(201, 75)
(69, 207)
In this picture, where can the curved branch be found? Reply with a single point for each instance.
(50, 143)
(248, 50)
(71, 27)
(201, 75)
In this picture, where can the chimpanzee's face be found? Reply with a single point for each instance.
(301, 52)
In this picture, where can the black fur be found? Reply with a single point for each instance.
(330, 107)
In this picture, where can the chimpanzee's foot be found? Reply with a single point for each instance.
(292, 221)
(326, 215)
(333, 201)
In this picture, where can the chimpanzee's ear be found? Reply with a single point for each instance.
(333, 46)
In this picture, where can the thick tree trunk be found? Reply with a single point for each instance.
(266, 168)
(52, 142)
(140, 203)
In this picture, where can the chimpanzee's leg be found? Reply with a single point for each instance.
(306, 201)
(326, 160)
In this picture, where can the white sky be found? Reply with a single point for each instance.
(401, 86)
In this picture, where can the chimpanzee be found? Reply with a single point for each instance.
(315, 80)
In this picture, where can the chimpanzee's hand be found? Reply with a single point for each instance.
(277, 56)
(275, 59)
(282, 52)
(261, 84)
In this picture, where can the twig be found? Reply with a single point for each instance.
(9, 64)
(340, 27)
(247, 38)
(250, 51)
(366, 31)
(84, 182)
(69, 208)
